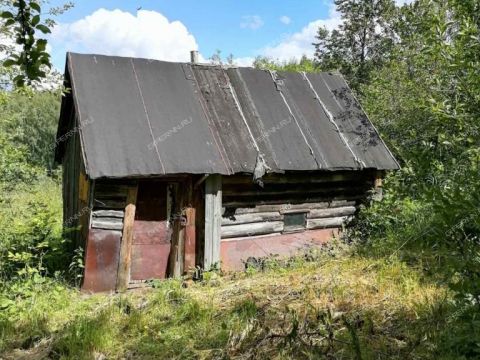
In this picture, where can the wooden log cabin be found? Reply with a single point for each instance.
(168, 167)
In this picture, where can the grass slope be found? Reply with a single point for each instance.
(332, 307)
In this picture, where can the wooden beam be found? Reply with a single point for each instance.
(252, 218)
(286, 207)
(213, 220)
(243, 230)
(301, 189)
(123, 274)
(333, 212)
(190, 240)
(107, 223)
(255, 201)
(177, 250)
(83, 188)
(326, 223)
(108, 213)
(378, 195)
(200, 181)
(300, 179)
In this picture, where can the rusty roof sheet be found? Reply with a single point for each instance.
(139, 117)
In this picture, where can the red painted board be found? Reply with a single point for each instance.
(234, 252)
(151, 232)
(101, 261)
(149, 261)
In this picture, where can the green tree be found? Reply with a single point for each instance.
(425, 101)
(361, 43)
(304, 64)
(21, 21)
(33, 58)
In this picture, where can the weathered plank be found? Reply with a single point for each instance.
(332, 212)
(107, 223)
(285, 207)
(378, 195)
(213, 220)
(326, 223)
(334, 188)
(110, 190)
(83, 187)
(255, 201)
(123, 274)
(251, 229)
(252, 218)
(100, 203)
(177, 251)
(291, 178)
(108, 213)
(190, 240)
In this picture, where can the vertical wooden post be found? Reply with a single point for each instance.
(84, 208)
(190, 240)
(378, 187)
(213, 220)
(176, 258)
(123, 274)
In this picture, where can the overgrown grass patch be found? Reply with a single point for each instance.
(344, 307)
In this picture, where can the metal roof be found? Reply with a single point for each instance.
(139, 117)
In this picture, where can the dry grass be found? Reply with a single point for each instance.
(334, 307)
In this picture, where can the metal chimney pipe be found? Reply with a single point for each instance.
(194, 56)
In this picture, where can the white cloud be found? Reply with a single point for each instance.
(285, 20)
(147, 34)
(244, 61)
(295, 45)
(252, 22)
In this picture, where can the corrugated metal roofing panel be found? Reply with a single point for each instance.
(275, 125)
(322, 134)
(181, 130)
(145, 117)
(359, 132)
(232, 132)
(108, 107)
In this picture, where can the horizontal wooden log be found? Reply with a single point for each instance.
(108, 204)
(252, 218)
(326, 223)
(108, 213)
(297, 178)
(333, 212)
(301, 189)
(246, 202)
(251, 229)
(286, 207)
(109, 190)
(107, 223)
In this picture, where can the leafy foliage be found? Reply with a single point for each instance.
(363, 41)
(31, 239)
(26, 22)
(304, 64)
(425, 101)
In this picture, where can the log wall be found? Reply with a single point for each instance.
(328, 199)
(251, 213)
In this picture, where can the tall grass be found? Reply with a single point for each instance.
(343, 307)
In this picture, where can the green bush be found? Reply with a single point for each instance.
(31, 240)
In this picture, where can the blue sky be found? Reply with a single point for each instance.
(168, 29)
